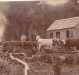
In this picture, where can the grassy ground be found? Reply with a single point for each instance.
(46, 69)
(9, 67)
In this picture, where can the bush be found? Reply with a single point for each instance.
(77, 60)
(9, 67)
(68, 61)
(46, 58)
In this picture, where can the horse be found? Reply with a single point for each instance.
(48, 42)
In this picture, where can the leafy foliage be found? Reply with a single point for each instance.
(31, 17)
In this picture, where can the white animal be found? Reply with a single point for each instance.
(46, 42)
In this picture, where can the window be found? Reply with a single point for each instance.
(67, 34)
(51, 35)
(57, 34)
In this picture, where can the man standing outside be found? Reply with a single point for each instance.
(23, 39)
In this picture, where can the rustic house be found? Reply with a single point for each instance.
(64, 29)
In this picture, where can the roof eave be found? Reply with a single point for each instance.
(60, 29)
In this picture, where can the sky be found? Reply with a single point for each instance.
(57, 2)
(51, 2)
(4, 4)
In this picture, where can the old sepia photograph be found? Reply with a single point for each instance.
(39, 37)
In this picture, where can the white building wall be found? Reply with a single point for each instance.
(63, 33)
(77, 32)
(77, 26)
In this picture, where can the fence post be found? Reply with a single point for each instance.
(57, 66)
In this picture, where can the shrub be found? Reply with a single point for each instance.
(68, 60)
